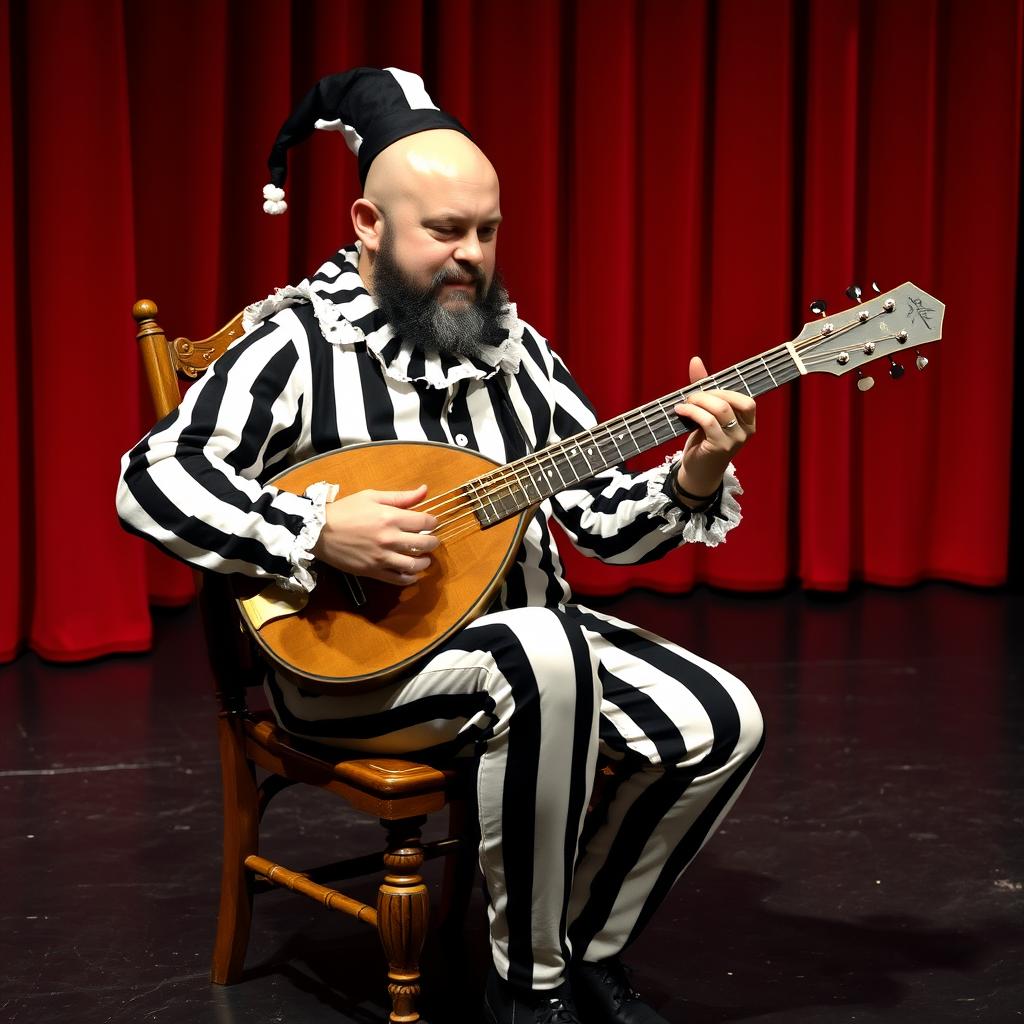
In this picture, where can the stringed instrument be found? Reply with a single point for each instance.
(361, 633)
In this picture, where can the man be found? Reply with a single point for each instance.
(408, 334)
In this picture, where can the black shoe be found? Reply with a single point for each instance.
(605, 996)
(509, 1004)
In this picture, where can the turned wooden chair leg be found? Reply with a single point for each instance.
(241, 838)
(403, 909)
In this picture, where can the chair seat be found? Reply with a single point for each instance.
(385, 786)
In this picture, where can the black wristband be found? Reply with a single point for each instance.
(684, 493)
(675, 492)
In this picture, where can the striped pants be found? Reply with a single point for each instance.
(536, 693)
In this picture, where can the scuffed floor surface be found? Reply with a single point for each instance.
(872, 870)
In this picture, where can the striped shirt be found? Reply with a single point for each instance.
(319, 368)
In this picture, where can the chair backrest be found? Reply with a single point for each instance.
(170, 364)
(170, 367)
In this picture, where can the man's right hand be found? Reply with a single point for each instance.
(377, 534)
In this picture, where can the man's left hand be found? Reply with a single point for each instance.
(725, 422)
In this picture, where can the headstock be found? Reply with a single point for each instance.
(902, 319)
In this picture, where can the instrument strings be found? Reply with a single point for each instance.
(456, 509)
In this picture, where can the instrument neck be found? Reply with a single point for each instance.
(528, 481)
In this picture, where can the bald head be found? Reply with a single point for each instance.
(428, 161)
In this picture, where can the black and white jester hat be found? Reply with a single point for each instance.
(372, 108)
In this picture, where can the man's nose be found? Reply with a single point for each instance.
(469, 250)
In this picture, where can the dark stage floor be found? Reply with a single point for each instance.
(873, 869)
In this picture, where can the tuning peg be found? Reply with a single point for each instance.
(895, 369)
(921, 362)
(875, 288)
(864, 383)
(818, 307)
(854, 292)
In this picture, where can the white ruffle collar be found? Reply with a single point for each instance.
(344, 309)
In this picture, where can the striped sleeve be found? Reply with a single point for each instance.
(192, 485)
(628, 518)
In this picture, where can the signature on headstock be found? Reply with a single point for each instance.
(916, 306)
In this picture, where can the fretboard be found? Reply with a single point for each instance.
(518, 485)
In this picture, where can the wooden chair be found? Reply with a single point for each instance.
(399, 793)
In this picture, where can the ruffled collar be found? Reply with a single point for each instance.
(348, 315)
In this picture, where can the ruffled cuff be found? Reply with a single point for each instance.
(706, 526)
(303, 578)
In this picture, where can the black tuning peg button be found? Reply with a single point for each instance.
(818, 307)
(895, 369)
(854, 292)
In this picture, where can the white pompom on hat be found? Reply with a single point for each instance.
(273, 200)
(372, 108)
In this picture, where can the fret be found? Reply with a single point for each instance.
(541, 492)
(485, 517)
(668, 420)
(504, 503)
(677, 421)
(609, 450)
(547, 485)
(552, 459)
(632, 439)
(743, 381)
(518, 483)
(769, 369)
(611, 437)
(671, 429)
(654, 436)
(474, 503)
(493, 509)
(569, 454)
(583, 452)
(578, 462)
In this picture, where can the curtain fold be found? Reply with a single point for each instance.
(179, 208)
(828, 149)
(678, 177)
(87, 583)
(15, 523)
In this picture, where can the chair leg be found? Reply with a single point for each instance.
(403, 909)
(241, 838)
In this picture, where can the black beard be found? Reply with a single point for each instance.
(415, 313)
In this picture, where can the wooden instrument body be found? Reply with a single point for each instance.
(332, 644)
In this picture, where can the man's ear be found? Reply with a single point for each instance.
(368, 222)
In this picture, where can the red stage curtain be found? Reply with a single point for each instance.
(678, 176)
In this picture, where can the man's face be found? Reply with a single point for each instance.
(429, 219)
(447, 226)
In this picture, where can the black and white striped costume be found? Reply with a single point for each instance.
(537, 686)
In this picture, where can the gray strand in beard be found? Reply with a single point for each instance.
(418, 317)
